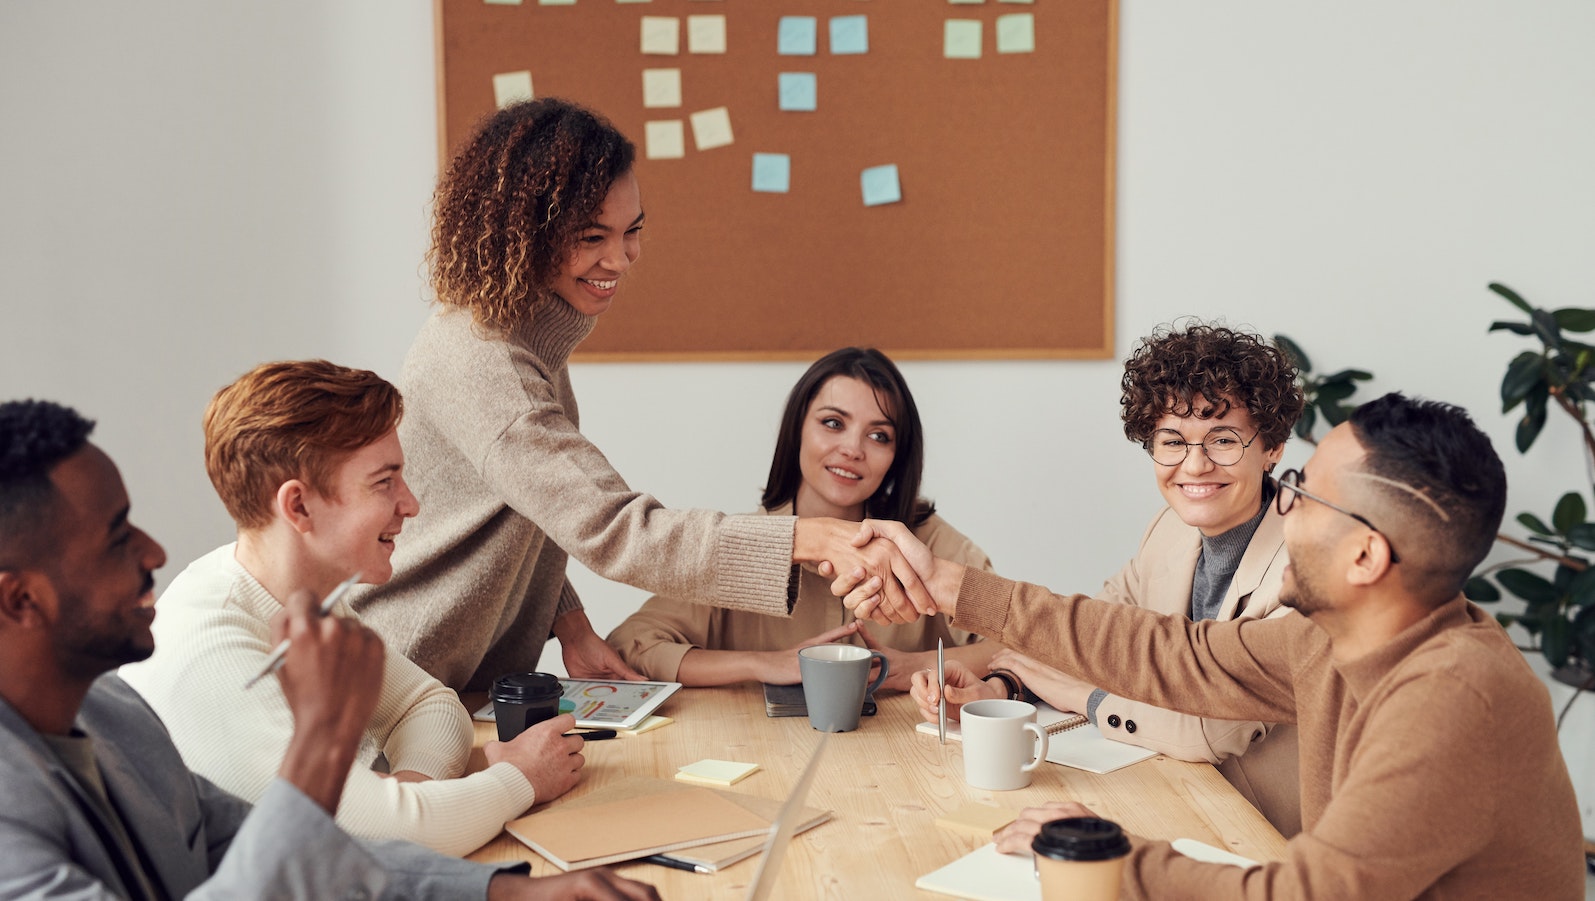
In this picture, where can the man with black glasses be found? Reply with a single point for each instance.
(1429, 761)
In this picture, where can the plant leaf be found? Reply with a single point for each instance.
(1574, 319)
(1546, 328)
(1334, 414)
(1304, 425)
(1526, 585)
(1533, 524)
(1346, 375)
(1479, 589)
(1294, 352)
(1526, 370)
(1569, 512)
(1583, 588)
(1555, 640)
(1511, 296)
(1516, 327)
(1528, 428)
(1335, 392)
(1583, 535)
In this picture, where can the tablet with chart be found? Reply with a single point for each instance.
(604, 704)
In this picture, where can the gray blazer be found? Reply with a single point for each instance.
(200, 841)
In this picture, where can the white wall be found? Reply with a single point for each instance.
(189, 188)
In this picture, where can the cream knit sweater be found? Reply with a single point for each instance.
(508, 486)
(212, 632)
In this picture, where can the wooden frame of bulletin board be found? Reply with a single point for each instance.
(1000, 246)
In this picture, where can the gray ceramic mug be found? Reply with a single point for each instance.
(835, 682)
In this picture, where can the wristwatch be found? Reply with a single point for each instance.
(1016, 690)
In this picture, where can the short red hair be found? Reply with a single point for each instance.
(295, 419)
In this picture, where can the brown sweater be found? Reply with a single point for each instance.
(508, 486)
(654, 639)
(1429, 768)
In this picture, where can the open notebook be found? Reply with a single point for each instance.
(1071, 741)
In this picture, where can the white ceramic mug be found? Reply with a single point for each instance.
(998, 753)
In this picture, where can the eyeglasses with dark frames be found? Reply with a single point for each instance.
(1223, 446)
(1290, 486)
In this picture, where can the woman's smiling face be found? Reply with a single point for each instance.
(848, 447)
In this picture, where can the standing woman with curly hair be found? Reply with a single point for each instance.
(1212, 407)
(536, 221)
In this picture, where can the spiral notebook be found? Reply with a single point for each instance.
(1071, 741)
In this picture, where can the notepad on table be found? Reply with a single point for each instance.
(1048, 717)
(651, 821)
(985, 874)
(1071, 741)
(716, 772)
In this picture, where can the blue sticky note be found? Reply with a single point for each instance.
(849, 34)
(798, 36)
(881, 185)
(772, 172)
(799, 91)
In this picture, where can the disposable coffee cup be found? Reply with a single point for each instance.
(522, 700)
(1080, 859)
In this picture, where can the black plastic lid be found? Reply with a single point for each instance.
(1081, 838)
(526, 688)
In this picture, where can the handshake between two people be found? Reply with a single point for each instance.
(882, 572)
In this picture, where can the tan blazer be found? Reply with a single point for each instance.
(1259, 759)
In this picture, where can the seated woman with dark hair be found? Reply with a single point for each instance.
(1213, 408)
(849, 447)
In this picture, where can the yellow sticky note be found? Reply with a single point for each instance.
(711, 128)
(1016, 33)
(706, 34)
(961, 39)
(661, 88)
(665, 139)
(978, 821)
(661, 35)
(647, 725)
(716, 772)
(509, 87)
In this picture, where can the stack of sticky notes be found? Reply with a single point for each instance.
(978, 821)
(647, 725)
(716, 772)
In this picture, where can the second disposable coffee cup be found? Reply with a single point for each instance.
(522, 700)
(1080, 859)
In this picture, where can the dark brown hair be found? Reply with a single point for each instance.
(898, 496)
(1199, 370)
(291, 420)
(508, 213)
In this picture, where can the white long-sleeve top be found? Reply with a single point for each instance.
(212, 633)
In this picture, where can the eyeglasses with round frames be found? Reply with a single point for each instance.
(1223, 446)
(1290, 486)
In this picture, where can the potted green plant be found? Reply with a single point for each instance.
(1559, 610)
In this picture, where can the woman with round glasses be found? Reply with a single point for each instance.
(1213, 408)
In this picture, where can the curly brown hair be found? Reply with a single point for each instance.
(1198, 370)
(509, 211)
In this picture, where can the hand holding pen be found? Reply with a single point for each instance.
(280, 652)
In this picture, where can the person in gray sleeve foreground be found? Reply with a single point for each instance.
(95, 801)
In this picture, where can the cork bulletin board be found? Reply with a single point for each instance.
(998, 117)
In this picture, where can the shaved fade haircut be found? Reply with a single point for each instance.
(35, 435)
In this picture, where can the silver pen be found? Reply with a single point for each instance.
(941, 693)
(280, 652)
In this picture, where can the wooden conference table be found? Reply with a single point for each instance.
(886, 785)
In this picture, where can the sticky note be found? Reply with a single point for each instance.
(711, 128)
(665, 138)
(656, 721)
(661, 88)
(961, 39)
(880, 185)
(1016, 1)
(797, 36)
(799, 91)
(661, 35)
(706, 34)
(556, 2)
(509, 87)
(634, 1)
(772, 172)
(503, 2)
(1016, 33)
(966, 2)
(849, 34)
(716, 772)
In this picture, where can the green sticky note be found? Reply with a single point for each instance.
(849, 34)
(1016, 33)
(772, 173)
(961, 39)
(799, 91)
(880, 185)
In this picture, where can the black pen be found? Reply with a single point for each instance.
(673, 863)
(596, 734)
